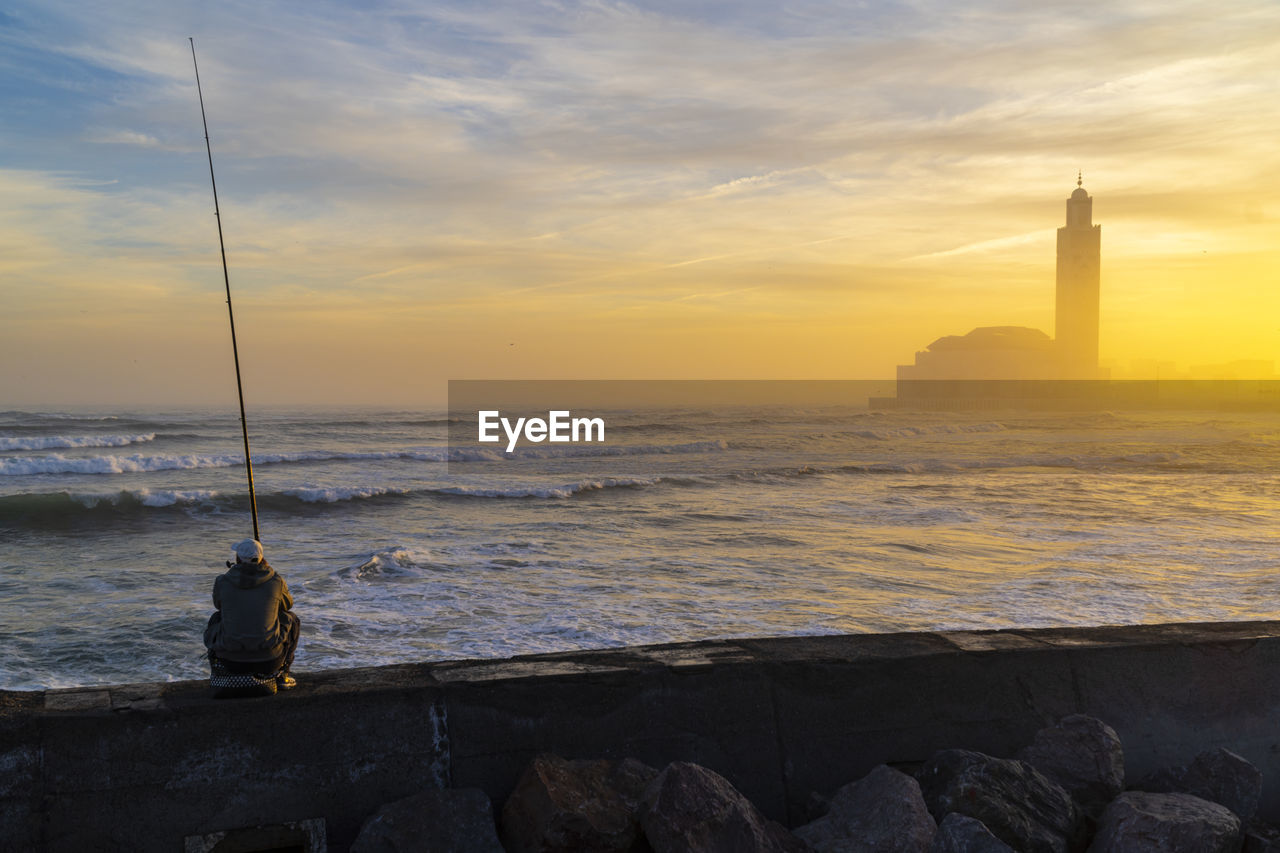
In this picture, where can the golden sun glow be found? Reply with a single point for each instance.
(618, 192)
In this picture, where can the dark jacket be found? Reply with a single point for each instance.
(252, 600)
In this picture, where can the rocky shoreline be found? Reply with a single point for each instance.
(1065, 792)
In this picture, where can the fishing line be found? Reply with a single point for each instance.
(226, 279)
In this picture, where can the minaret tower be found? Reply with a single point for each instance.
(1076, 317)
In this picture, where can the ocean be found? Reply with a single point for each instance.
(688, 523)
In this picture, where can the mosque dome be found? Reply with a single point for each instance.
(1079, 193)
(994, 337)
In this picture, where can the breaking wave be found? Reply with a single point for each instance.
(61, 464)
(55, 442)
(58, 509)
(51, 509)
(391, 562)
(575, 450)
(338, 494)
(566, 490)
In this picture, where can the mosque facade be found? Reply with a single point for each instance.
(1018, 352)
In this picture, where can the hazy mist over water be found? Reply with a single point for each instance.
(688, 523)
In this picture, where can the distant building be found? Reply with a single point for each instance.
(1076, 306)
(1018, 352)
(1003, 367)
(989, 352)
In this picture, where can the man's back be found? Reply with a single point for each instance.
(254, 629)
(251, 597)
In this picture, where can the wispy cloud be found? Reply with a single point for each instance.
(1000, 244)
(614, 152)
(123, 137)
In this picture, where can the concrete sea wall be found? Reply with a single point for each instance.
(149, 766)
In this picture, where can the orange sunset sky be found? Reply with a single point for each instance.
(420, 191)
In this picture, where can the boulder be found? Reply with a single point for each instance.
(962, 834)
(1018, 804)
(690, 809)
(1218, 775)
(450, 820)
(939, 770)
(1084, 756)
(1142, 822)
(575, 805)
(883, 812)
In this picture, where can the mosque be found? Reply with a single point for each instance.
(1021, 353)
(1003, 367)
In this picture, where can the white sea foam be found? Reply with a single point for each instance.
(148, 497)
(526, 452)
(566, 490)
(61, 464)
(173, 497)
(54, 442)
(335, 494)
(389, 562)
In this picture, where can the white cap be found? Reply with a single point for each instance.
(248, 551)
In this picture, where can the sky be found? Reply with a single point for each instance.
(413, 192)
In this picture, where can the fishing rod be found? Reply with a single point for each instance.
(226, 279)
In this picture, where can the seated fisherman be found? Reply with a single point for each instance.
(254, 629)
